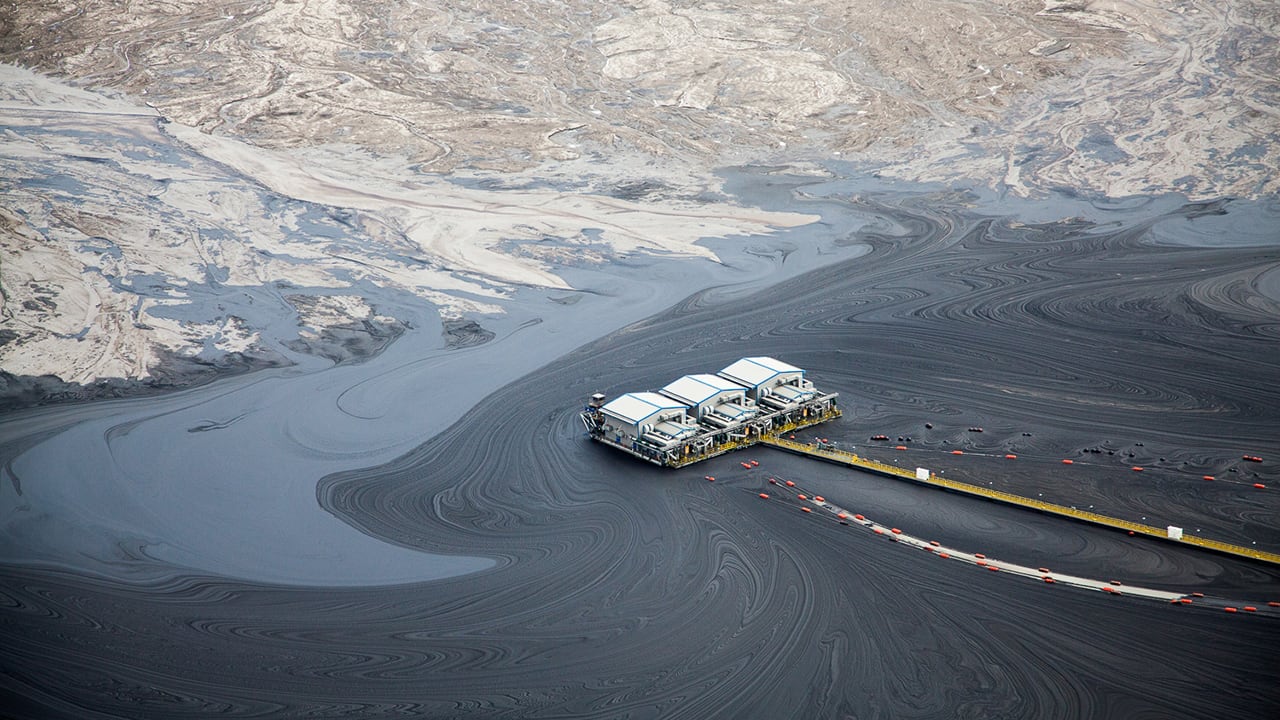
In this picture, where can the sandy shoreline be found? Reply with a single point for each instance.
(128, 239)
(1117, 97)
(315, 417)
(458, 155)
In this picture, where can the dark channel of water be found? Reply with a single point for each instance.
(1102, 332)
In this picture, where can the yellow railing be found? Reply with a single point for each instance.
(1233, 549)
(802, 423)
(721, 448)
(713, 451)
(853, 460)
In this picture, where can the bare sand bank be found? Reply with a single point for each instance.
(1115, 96)
(457, 153)
(127, 240)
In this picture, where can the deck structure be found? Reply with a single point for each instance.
(701, 416)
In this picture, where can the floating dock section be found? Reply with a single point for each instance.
(700, 416)
(923, 477)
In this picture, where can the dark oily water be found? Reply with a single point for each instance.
(1093, 332)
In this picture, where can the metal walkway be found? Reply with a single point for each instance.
(842, 457)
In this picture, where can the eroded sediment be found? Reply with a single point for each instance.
(127, 239)
(642, 101)
(1119, 97)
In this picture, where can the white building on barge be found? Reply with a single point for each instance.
(701, 416)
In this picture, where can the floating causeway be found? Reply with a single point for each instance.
(924, 477)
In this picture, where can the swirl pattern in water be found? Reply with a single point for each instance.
(622, 590)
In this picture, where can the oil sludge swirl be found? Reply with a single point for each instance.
(623, 590)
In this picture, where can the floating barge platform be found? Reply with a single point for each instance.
(701, 416)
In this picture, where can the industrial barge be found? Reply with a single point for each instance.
(701, 416)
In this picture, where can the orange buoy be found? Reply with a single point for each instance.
(944, 556)
(878, 531)
(842, 516)
(1185, 601)
(805, 509)
(934, 543)
(980, 556)
(745, 465)
(900, 447)
(710, 479)
(790, 484)
(1260, 486)
(1048, 580)
(1252, 458)
(982, 563)
(819, 498)
(1116, 582)
(755, 463)
(802, 497)
(764, 496)
(1010, 456)
(1107, 588)
(1130, 533)
(1044, 570)
(896, 531)
(1209, 478)
(957, 452)
(1135, 468)
(928, 549)
(793, 437)
(1197, 594)
(858, 517)
(993, 568)
(1273, 603)
(773, 481)
(1250, 608)
(1229, 609)
(1068, 462)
